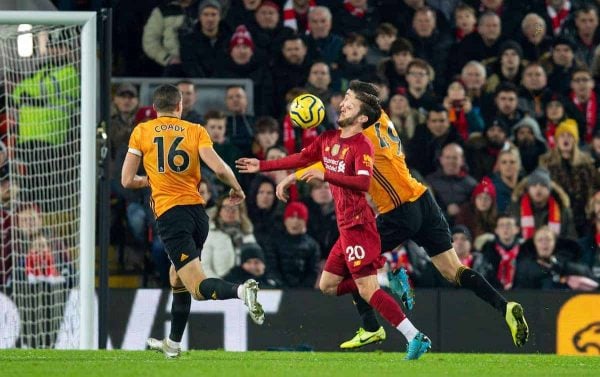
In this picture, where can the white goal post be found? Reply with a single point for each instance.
(80, 171)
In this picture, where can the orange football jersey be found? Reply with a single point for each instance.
(392, 183)
(169, 148)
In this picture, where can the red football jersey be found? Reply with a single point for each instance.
(343, 158)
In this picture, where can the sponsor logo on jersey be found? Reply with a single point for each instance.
(183, 257)
(367, 160)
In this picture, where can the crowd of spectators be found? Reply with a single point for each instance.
(495, 102)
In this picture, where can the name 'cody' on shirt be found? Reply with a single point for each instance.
(168, 127)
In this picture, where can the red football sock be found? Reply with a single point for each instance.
(346, 286)
(387, 307)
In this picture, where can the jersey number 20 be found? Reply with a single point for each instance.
(173, 152)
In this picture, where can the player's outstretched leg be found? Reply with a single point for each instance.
(371, 331)
(180, 311)
(217, 289)
(193, 278)
(400, 287)
(389, 309)
(511, 311)
(515, 319)
(454, 271)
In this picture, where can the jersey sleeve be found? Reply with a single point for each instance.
(308, 155)
(363, 159)
(203, 138)
(135, 143)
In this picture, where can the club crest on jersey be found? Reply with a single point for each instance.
(335, 149)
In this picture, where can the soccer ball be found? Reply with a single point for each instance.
(307, 111)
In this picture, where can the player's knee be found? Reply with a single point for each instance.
(327, 288)
(174, 279)
(366, 292)
(449, 274)
(197, 296)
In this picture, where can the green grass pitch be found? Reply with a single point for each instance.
(49, 363)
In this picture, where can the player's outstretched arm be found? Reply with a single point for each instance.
(307, 156)
(293, 161)
(129, 179)
(223, 172)
(247, 165)
(281, 189)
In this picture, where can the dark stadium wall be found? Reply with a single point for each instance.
(456, 321)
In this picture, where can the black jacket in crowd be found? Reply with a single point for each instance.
(293, 261)
(199, 54)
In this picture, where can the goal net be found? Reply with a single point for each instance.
(41, 186)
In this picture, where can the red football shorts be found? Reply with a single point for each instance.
(356, 252)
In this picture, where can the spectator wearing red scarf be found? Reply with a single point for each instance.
(460, 111)
(356, 16)
(538, 201)
(499, 256)
(585, 100)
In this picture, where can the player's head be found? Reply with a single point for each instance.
(167, 99)
(360, 105)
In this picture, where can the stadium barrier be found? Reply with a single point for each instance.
(210, 92)
(456, 321)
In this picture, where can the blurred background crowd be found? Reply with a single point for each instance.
(495, 102)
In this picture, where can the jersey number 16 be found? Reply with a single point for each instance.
(178, 166)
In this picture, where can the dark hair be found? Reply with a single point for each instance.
(386, 28)
(353, 38)
(292, 37)
(214, 114)
(367, 94)
(437, 108)
(586, 8)
(507, 215)
(293, 93)
(581, 69)
(401, 45)
(266, 124)
(185, 82)
(166, 98)
(506, 87)
(364, 87)
(419, 63)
